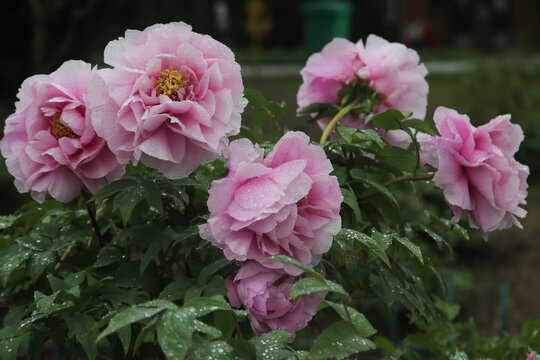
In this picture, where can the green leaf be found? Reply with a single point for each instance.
(40, 262)
(242, 349)
(259, 117)
(255, 98)
(146, 335)
(211, 269)
(207, 329)
(10, 259)
(311, 285)
(358, 320)
(350, 199)
(357, 175)
(124, 334)
(459, 355)
(126, 201)
(413, 248)
(373, 245)
(345, 133)
(45, 304)
(287, 260)
(152, 195)
(9, 348)
(177, 289)
(204, 349)
(397, 158)
(339, 341)
(174, 330)
(390, 119)
(277, 109)
(113, 188)
(432, 234)
(78, 327)
(108, 255)
(206, 305)
(317, 107)
(270, 346)
(127, 317)
(420, 125)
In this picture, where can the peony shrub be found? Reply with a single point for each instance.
(221, 242)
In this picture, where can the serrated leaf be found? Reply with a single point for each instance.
(432, 234)
(311, 285)
(345, 133)
(78, 328)
(397, 158)
(358, 320)
(373, 245)
(146, 334)
(175, 329)
(413, 248)
(39, 262)
(339, 341)
(259, 117)
(317, 107)
(255, 98)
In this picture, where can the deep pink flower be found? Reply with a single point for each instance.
(49, 143)
(391, 69)
(284, 204)
(171, 100)
(264, 293)
(531, 355)
(476, 168)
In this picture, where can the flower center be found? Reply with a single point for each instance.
(60, 130)
(170, 82)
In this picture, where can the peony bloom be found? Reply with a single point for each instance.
(390, 70)
(264, 293)
(285, 204)
(171, 100)
(49, 142)
(476, 168)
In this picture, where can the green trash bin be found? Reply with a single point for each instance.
(325, 20)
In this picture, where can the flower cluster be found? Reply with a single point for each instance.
(391, 72)
(284, 204)
(476, 168)
(171, 100)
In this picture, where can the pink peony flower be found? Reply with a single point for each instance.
(476, 168)
(391, 70)
(171, 100)
(264, 293)
(49, 143)
(284, 204)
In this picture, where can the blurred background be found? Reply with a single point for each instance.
(483, 57)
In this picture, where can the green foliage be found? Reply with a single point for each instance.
(125, 274)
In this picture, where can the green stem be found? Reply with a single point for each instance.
(344, 111)
(415, 177)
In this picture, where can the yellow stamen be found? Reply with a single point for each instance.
(60, 130)
(170, 82)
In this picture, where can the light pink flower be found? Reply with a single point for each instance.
(264, 293)
(49, 143)
(284, 204)
(531, 355)
(392, 70)
(476, 168)
(171, 100)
